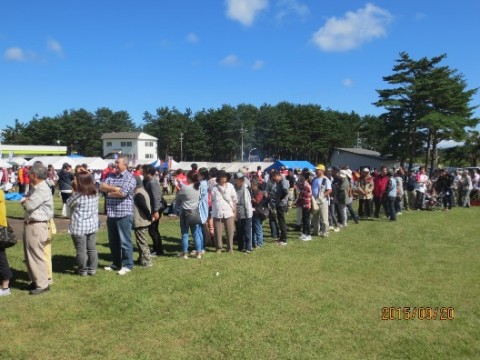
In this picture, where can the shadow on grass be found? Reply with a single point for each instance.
(20, 279)
(171, 246)
(64, 264)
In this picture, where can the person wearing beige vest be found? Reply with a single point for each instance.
(142, 218)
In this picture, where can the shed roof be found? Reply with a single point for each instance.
(360, 151)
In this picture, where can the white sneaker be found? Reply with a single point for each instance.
(324, 235)
(111, 268)
(123, 271)
(5, 292)
(282, 243)
(307, 238)
(399, 213)
(336, 229)
(302, 237)
(331, 228)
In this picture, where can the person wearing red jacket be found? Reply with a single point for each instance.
(181, 180)
(107, 172)
(379, 195)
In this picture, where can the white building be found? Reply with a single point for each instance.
(140, 148)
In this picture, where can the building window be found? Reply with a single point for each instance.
(125, 143)
(148, 143)
(109, 144)
(149, 156)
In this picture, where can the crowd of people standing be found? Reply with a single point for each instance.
(210, 202)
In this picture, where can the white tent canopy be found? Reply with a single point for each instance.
(4, 164)
(232, 167)
(17, 160)
(56, 161)
(94, 163)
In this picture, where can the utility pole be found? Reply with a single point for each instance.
(242, 131)
(181, 146)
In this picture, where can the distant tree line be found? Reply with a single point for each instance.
(424, 104)
(284, 131)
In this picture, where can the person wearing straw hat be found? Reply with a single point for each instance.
(321, 190)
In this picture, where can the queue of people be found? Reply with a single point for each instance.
(210, 202)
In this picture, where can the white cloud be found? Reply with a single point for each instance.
(55, 47)
(291, 6)
(15, 54)
(258, 64)
(192, 38)
(347, 82)
(230, 61)
(354, 29)
(245, 11)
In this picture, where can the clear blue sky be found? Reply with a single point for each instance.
(141, 55)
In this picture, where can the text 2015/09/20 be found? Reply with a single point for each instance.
(420, 313)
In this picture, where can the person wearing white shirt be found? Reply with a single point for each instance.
(224, 200)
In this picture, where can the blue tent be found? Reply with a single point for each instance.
(297, 164)
(159, 165)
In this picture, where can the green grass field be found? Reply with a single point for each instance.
(316, 300)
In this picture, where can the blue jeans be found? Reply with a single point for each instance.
(257, 231)
(391, 208)
(196, 231)
(120, 241)
(244, 234)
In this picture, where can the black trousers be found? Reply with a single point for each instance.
(5, 272)
(364, 207)
(154, 233)
(65, 197)
(306, 221)
(281, 223)
(448, 200)
(379, 202)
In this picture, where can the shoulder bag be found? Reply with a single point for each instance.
(7, 237)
